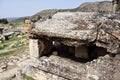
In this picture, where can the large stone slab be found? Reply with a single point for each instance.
(82, 28)
(56, 68)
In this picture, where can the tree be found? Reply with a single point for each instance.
(38, 17)
(4, 21)
(50, 17)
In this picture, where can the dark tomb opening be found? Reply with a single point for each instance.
(64, 51)
(94, 52)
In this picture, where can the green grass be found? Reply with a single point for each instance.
(23, 75)
(17, 48)
(27, 77)
(17, 22)
(6, 43)
(13, 38)
(12, 77)
(3, 46)
(6, 53)
(14, 52)
(17, 45)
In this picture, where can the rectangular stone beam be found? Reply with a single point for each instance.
(60, 67)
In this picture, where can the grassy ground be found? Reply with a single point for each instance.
(18, 22)
(3, 46)
(6, 43)
(27, 77)
(13, 52)
(13, 46)
(24, 76)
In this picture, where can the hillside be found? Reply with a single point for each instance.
(42, 15)
(104, 6)
(66, 29)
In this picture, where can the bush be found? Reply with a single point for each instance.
(49, 17)
(27, 77)
(4, 21)
(38, 17)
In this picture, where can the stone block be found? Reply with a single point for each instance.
(81, 52)
(34, 48)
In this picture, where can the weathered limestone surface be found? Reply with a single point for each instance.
(59, 67)
(56, 68)
(34, 48)
(39, 47)
(69, 25)
(82, 28)
(108, 35)
(116, 5)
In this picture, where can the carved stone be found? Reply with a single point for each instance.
(116, 6)
(39, 47)
(81, 28)
(34, 48)
(81, 52)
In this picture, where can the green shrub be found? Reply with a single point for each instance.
(18, 44)
(4, 21)
(12, 77)
(3, 46)
(38, 17)
(27, 77)
(6, 53)
(50, 17)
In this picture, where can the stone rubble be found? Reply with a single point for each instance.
(59, 68)
(12, 61)
(84, 28)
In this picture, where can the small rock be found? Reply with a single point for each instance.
(4, 67)
(1, 70)
(19, 36)
(15, 60)
(92, 77)
(117, 57)
(11, 63)
(55, 53)
(107, 56)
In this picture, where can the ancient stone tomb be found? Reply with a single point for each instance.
(80, 33)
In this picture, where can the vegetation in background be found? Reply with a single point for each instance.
(39, 17)
(17, 22)
(36, 18)
(6, 43)
(14, 45)
(4, 21)
(13, 38)
(14, 52)
(17, 45)
(3, 46)
(50, 17)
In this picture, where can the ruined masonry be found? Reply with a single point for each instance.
(81, 33)
(80, 30)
